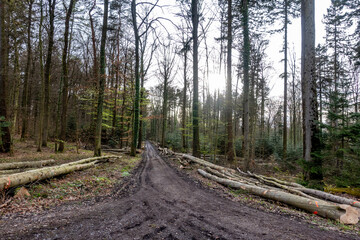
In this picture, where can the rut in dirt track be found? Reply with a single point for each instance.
(165, 205)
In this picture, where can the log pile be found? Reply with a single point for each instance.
(18, 179)
(326, 205)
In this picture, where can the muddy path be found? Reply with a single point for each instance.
(161, 203)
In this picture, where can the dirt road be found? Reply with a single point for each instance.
(161, 204)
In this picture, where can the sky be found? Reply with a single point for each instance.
(217, 80)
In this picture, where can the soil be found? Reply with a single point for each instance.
(158, 202)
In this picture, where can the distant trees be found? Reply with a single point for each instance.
(166, 65)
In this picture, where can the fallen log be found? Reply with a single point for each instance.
(34, 164)
(205, 163)
(249, 174)
(87, 160)
(17, 179)
(343, 213)
(12, 171)
(330, 197)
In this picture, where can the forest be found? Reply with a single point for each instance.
(117, 73)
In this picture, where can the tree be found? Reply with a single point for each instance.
(311, 139)
(246, 56)
(5, 137)
(102, 80)
(137, 80)
(195, 23)
(136, 27)
(47, 73)
(41, 114)
(25, 97)
(229, 111)
(65, 77)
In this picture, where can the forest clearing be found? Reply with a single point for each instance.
(179, 119)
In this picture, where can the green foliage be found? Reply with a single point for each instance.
(264, 148)
(238, 146)
(3, 124)
(173, 140)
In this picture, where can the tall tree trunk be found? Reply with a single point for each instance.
(246, 55)
(183, 120)
(47, 74)
(311, 140)
(102, 80)
(195, 23)
(95, 65)
(122, 124)
(5, 141)
(285, 81)
(25, 98)
(137, 81)
(41, 112)
(229, 125)
(115, 98)
(142, 80)
(164, 112)
(16, 93)
(65, 78)
(294, 107)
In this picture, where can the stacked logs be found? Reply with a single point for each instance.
(326, 205)
(18, 179)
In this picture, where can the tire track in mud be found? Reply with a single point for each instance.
(162, 204)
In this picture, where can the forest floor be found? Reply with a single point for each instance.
(160, 201)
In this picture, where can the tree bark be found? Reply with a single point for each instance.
(195, 23)
(285, 81)
(41, 112)
(102, 80)
(311, 140)
(183, 117)
(5, 141)
(229, 124)
(246, 55)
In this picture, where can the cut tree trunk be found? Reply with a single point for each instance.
(16, 165)
(18, 179)
(330, 197)
(205, 163)
(343, 213)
